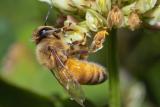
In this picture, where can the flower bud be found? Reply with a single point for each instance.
(94, 20)
(103, 6)
(134, 21)
(115, 17)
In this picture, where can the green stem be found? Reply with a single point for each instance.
(112, 66)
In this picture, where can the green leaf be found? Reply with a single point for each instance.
(11, 96)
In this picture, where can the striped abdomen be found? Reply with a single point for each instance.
(86, 73)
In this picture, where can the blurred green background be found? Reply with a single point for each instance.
(23, 82)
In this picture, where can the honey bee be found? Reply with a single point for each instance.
(70, 72)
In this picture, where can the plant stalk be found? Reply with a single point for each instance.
(112, 66)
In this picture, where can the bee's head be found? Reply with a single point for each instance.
(41, 33)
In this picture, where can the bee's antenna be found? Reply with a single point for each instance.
(48, 13)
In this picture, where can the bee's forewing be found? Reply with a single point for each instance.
(67, 80)
(70, 85)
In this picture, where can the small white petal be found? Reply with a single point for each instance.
(47, 1)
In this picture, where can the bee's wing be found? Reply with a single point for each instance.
(67, 80)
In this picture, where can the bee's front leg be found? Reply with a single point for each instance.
(84, 54)
(80, 52)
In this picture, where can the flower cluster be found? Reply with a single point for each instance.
(98, 17)
(100, 14)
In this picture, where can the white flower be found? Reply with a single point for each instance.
(153, 17)
(94, 20)
(103, 6)
(145, 5)
(64, 5)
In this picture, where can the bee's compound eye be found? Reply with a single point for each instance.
(42, 32)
